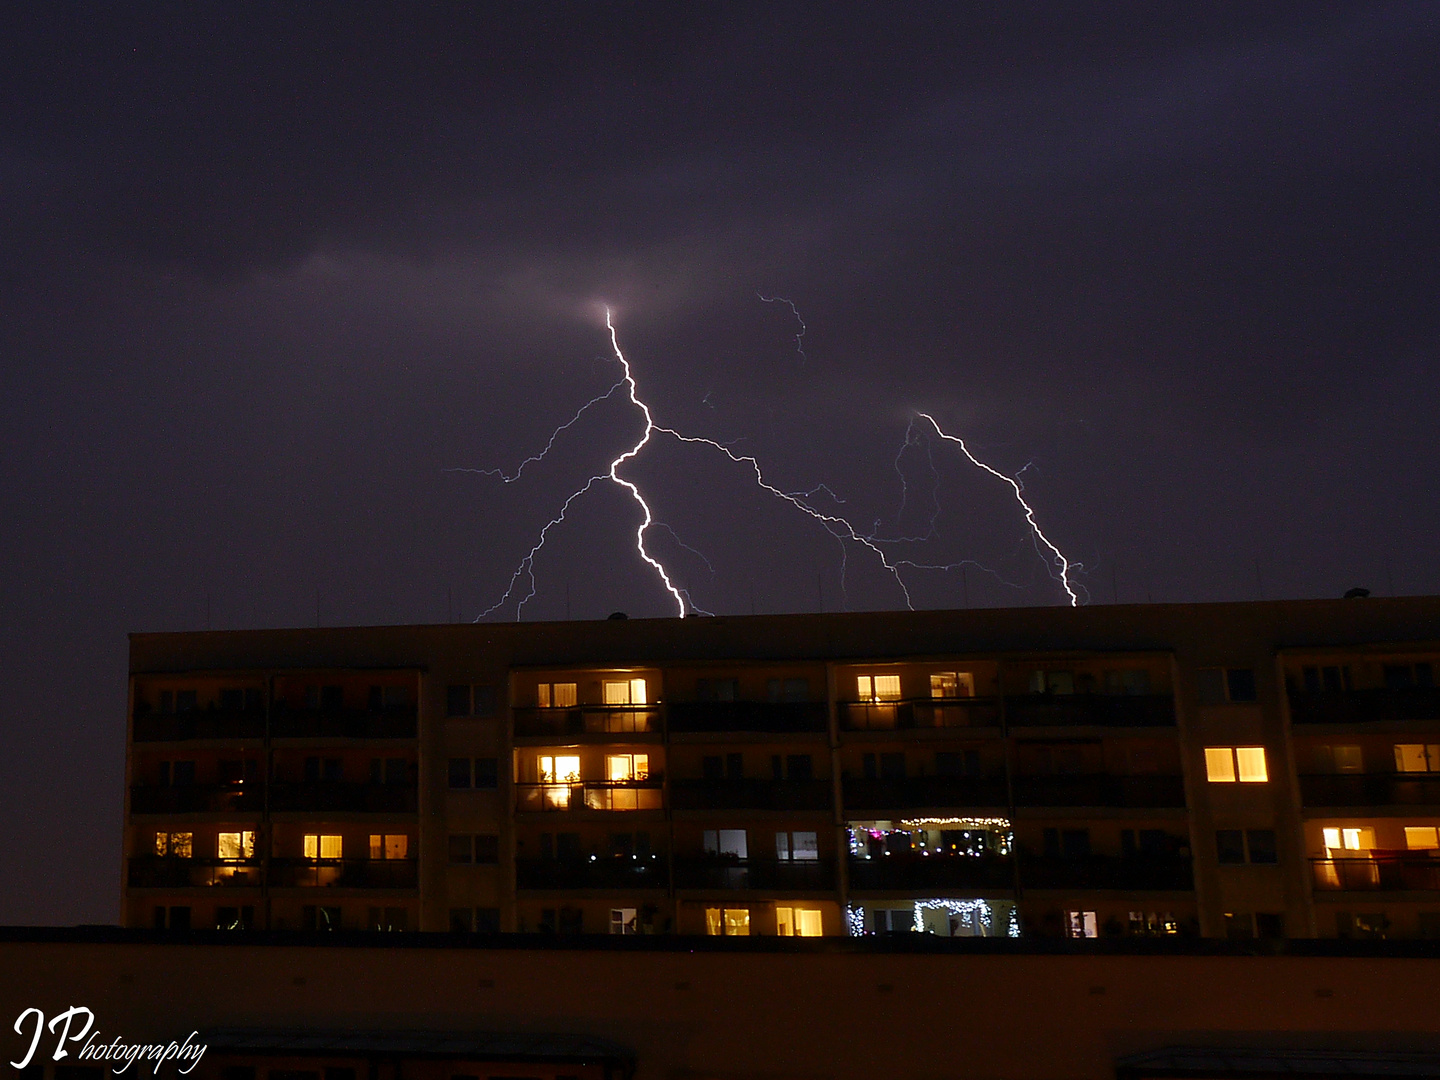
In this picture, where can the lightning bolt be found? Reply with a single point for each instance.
(837, 526)
(799, 338)
(1058, 559)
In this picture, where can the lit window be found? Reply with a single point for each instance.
(559, 770)
(1421, 837)
(1226, 764)
(622, 920)
(1082, 924)
(878, 687)
(621, 767)
(952, 684)
(1251, 760)
(626, 692)
(1348, 759)
(389, 846)
(737, 922)
(1219, 765)
(162, 843)
(236, 845)
(322, 847)
(797, 922)
(1349, 839)
(176, 844)
(1417, 757)
(560, 695)
(732, 842)
(542, 695)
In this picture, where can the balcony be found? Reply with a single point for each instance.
(1370, 789)
(768, 717)
(919, 713)
(199, 724)
(1090, 710)
(1122, 791)
(1365, 706)
(394, 722)
(609, 873)
(924, 792)
(750, 794)
(779, 875)
(344, 873)
(197, 799)
(591, 795)
(1384, 873)
(910, 873)
(338, 796)
(587, 720)
(168, 872)
(1158, 872)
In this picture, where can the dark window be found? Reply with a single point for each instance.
(713, 767)
(229, 772)
(377, 771)
(252, 700)
(1239, 926)
(622, 845)
(572, 921)
(777, 767)
(1075, 843)
(547, 845)
(396, 698)
(1210, 684)
(799, 767)
(1240, 683)
(1311, 675)
(734, 766)
(717, 689)
(179, 918)
(547, 920)
(397, 771)
(567, 845)
(1230, 845)
(185, 701)
(1336, 680)
(459, 772)
(487, 772)
(312, 697)
(252, 770)
(164, 773)
(484, 700)
(1398, 677)
(1424, 676)
(232, 700)
(461, 848)
(487, 920)
(1052, 843)
(462, 920)
(396, 918)
(892, 766)
(159, 918)
(312, 770)
(183, 773)
(949, 764)
(167, 701)
(788, 690)
(868, 767)
(1262, 846)
(642, 844)
(457, 700)
(1069, 760)
(1428, 925)
(487, 849)
(309, 916)
(332, 698)
(1127, 843)
(1269, 924)
(1154, 842)
(333, 770)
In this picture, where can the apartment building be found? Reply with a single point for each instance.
(1240, 770)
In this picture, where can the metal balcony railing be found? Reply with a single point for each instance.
(911, 873)
(169, 872)
(745, 794)
(197, 798)
(1370, 789)
(199, 724)
(1365, 706)
(924, 792)
(777, 875)
(919, 713)
(342, 796)
(1158, 872)
(345, 873)
(1384, 873)
(603, 872)
(1122, 791)
(1090, 710)
(770, 717)
(588, 720)
(591, 795)
(394, 722)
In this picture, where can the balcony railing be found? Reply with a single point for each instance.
(167, 872)
(588, 720)
(591, 795)
(199, 724)
(914, 873)
(395, 722)
(776, 717)
(334, 795)
(1409, 873)
(1090, 710)
(1365, 706)
(919, 713)
(196, 798)
(780, 875)
(344, 873)
(613, 873)
(750, 794)
(1172, 873)
(924, 792)
(1370, 789)
(1123, 791)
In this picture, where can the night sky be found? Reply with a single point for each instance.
(270, 272)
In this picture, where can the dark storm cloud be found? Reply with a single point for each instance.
(270, 270)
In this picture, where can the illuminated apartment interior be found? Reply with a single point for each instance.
(983, 774)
